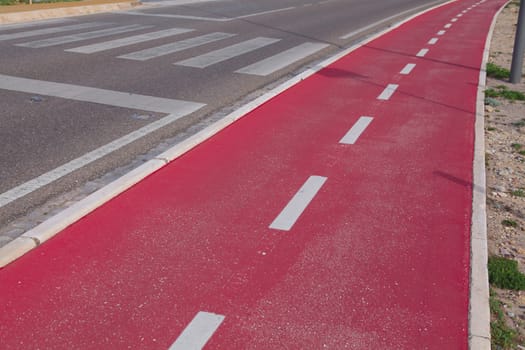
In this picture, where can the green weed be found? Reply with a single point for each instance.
(504, 92)
(504, 273)
(509, 223)
(495, 71)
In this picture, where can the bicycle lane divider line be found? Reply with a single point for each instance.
(298, 204)
(357, 129)
(388, 92)
(408, 69)
(198, 332)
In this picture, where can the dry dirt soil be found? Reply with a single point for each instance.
(505, 139)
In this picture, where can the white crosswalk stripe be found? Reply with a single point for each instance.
(167, 49)
(82, 36)
(282, 60)
(5, 27)
(227, 53)
(263, 67)
(130, 40)
(51, 30)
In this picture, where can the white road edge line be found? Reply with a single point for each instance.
(176, 108)
(422, 53)
(375, 24)
(298, 204)
(479, 311)
(388, 92)
(198, 331)
(198, 18)
(49, 228)
(355, 132)
(408, 69)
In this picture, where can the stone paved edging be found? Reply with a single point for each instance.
(27, 16)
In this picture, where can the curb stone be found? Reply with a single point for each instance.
(479, 310)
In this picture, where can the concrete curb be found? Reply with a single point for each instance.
(36, 15)
(479, 309)
(49, 228)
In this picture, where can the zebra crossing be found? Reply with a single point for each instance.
(57, 35)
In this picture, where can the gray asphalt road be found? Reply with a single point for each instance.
(87, 96)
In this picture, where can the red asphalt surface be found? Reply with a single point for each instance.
(378, 260)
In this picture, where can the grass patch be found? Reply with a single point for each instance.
(509, 223)
(502, 337)
(491, 128)
(503, 92)
(518, 193)
(517, 146)
(504, 273)
(522, 152)
(520, 123)
(8, 2)
(495, 71)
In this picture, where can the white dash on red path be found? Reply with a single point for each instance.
(448, 25)
(408, 69)
(433, 41)
(388, 92)
(441, 32)
(297, 205)
(422, 53)
(359, 127)
(198, 332)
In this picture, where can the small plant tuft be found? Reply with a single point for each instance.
(502, 336)
(495, 71)
(504, 92)
(518, 193)
(504, 273)
(509, 223)
(519, 123)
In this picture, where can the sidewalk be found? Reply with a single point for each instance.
(335, 216)
(41, 11)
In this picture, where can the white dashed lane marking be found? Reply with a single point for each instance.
(388, 92)
(422, 53)
(355, 132)
(441, 32)
(297, 205)
(198, 332)
(433, 41)
(408, 69)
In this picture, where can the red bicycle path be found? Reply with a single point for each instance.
(379, 259)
